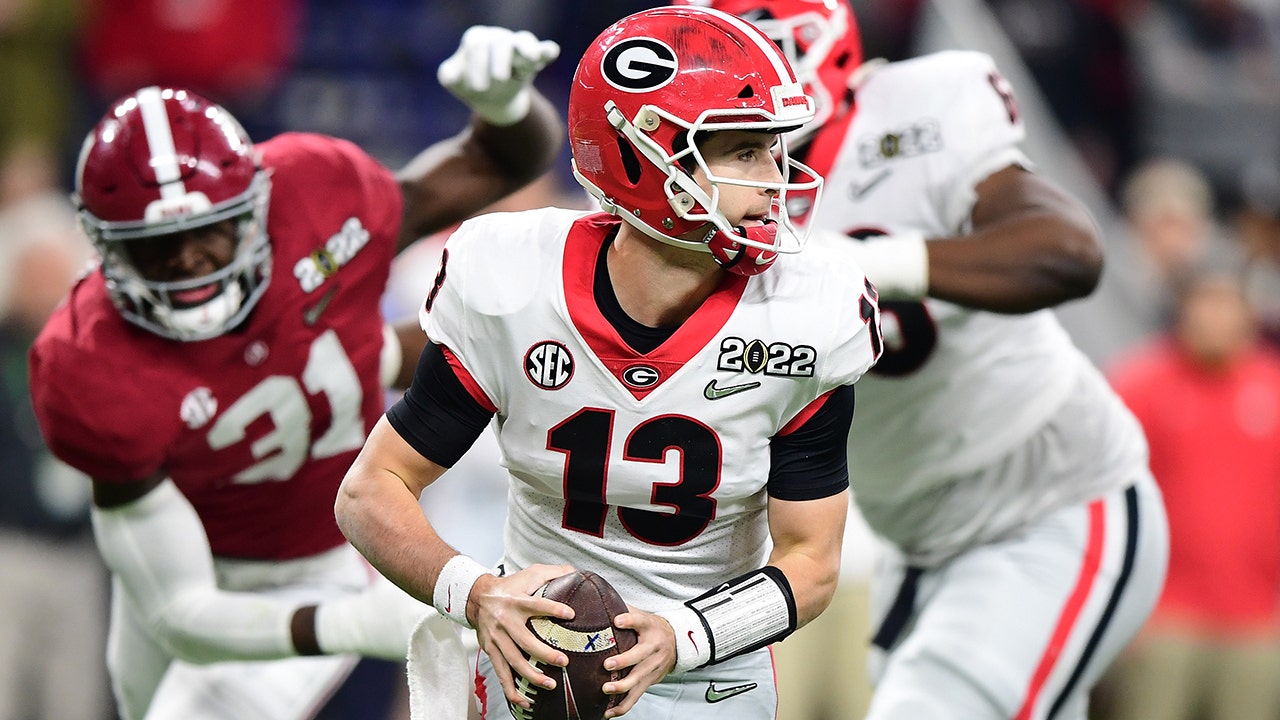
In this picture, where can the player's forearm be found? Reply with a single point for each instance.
(813, 579)
(381, 517)
(461, 175)
(526, 149)
(1033, 246)
(1020, 265)
(806, 548)
(158, 550)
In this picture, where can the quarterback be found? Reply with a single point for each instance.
(218, 371)
(670, 382)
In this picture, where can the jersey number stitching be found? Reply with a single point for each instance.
(585, 438)
(283, 450)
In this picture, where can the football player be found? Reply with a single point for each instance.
(219, 370)
(670, 382)
(988, 451)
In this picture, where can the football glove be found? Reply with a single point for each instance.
(492, 71)
(375, 622)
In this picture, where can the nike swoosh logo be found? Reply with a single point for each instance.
(715, 694)
(856, 191)
(448, 600)
(715, 393)
(312, 314)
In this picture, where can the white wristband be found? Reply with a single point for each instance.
(391, 359)
(693, 645)
(453, 587)
(898, 264)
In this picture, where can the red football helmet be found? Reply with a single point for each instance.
(642, 92)
(819, 37)
(163, 161)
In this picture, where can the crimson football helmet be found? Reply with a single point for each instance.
(163, 161)
(819, 37)
(643, 91)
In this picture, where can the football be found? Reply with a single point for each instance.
(587, 639)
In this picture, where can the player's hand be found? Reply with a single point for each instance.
(492, 71)
(375, 622)
(499, 609)
(652, 658)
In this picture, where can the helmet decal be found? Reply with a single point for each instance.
(639, 65)
(174, 201)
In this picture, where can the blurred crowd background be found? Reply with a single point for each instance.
(1164, 115)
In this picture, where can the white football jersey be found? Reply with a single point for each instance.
(649, 469)
(956, 388)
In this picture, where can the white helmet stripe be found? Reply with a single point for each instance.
(766, 45)
(164, 157)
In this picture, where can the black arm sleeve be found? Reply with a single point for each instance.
(437, 416)
(813, 462)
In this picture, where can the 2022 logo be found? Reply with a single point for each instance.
(777, 358)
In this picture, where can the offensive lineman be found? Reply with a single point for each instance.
(666, 403)
(218, 371)
(988, 449)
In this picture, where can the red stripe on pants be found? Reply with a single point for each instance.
(1071, 612)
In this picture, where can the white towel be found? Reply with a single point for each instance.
(438, 670)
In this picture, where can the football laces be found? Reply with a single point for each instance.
(528, 691)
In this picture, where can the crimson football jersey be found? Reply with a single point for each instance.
(257, 426)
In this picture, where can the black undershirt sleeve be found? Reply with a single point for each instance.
(813, 462)
(437, 416)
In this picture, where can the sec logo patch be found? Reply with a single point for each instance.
(549, 365)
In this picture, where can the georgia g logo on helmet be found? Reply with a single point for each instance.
(639, 64)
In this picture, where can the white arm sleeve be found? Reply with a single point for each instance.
(158, 549)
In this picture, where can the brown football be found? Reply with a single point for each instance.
(587, 639)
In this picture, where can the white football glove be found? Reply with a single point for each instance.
(375, 622)
(493, 69)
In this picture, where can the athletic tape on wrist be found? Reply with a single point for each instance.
(898, 265)
(693, 645)
(742, 615)
(453, 587)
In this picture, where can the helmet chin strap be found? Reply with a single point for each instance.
(740, 258)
